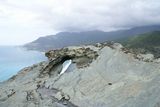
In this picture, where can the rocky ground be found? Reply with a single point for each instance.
(101, 75)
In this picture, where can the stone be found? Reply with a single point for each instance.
(146, 57)
(58, 96)
(104, 75)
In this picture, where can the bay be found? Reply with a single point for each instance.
(14, 58)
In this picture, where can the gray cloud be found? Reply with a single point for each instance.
(30, 19)
(105, 14)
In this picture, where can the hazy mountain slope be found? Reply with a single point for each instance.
(147, 42)
(64, 39)
(101, 75)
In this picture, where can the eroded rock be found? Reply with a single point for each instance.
(81, 56)
(103, 75)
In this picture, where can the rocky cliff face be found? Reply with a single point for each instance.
(101, 75)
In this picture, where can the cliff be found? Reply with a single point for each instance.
(100, 75)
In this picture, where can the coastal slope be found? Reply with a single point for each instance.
(101, 75)
(144, 43)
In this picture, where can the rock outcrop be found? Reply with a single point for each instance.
(101, 75)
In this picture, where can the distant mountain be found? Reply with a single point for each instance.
(144, 43)
(64, 39)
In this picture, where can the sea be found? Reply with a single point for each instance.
(15, 58)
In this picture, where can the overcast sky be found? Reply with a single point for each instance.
(22, 21)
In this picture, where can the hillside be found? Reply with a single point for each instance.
(100, 75)
(144, 43)
(64, 39)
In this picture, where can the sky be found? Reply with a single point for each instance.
(22, 21)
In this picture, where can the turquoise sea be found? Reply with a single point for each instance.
(13, 59)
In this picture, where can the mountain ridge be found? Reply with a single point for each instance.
(64, 39)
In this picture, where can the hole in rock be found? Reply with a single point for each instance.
(65, 66)
(62, 66)
(65, 58)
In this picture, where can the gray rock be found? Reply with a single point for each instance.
(146, 57)
(104, 75)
